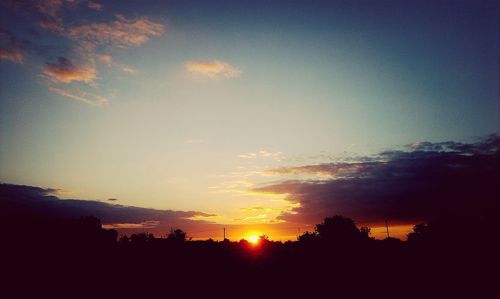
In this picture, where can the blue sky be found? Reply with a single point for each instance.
(188, 105)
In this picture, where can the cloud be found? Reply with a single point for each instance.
(10, 48)
(79, 95)
(26, 204)
(95, 6)
(65, 71)
(247, 155)
(89, 43)
(262, 153)
(50, 17)
(50, 7)
(127, 69)
(213, 69)
(406, 187)
(13, 55)
(122, 33)
(51, 25)
(252, 209)
(327, 169)
(143, 225)
(106, 59)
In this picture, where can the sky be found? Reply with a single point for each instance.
(238, 113)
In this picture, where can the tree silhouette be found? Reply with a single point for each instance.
(176, 236)
(308, 237)
(338, 228)
(365, 232)
(419, 231)
(141, 238)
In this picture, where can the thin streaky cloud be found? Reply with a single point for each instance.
(213, 69)
(95, 6)
(127, 69)
(93, 100)
(277, 155)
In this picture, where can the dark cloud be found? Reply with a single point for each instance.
(20, 203)
(427, 180)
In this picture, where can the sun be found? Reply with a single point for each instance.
(253, 239)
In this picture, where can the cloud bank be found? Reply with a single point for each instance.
(23, 204)
(424, 181)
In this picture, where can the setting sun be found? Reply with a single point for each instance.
(253, 239)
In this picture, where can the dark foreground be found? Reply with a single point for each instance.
(74, 258)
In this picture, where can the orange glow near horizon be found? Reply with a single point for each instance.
(289, 233)
(396, 231)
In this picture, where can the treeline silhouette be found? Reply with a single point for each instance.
(444, 256)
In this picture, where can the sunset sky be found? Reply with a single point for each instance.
(240, 113)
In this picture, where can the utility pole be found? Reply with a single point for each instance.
(387, 228)
(224, 234)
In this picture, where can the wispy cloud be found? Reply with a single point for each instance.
(108, 60)
(213, 69)
(127, 69)
(79, 95)
(51, 25)
(89, 43)
(260, 209)
(65, 71)
(331, 170)
(50, 7)
(50, 17)
(9, 48)
(95, 6)
(121, 33)
(276, 155)
(143, 225)
(13, 55)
